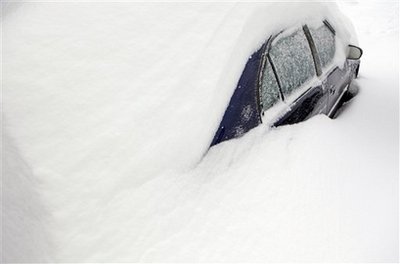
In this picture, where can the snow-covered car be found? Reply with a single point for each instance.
(296, 74)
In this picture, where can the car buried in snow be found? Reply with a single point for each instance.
(292, 77)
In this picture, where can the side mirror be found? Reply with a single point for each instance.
(354, 52)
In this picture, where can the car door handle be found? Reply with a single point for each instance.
(332, 91)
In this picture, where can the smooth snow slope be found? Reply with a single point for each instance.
(109, 108)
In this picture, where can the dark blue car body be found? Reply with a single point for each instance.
(244, 111)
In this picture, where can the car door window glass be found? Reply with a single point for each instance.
(324, 40)
(269, 87)
(293, 61)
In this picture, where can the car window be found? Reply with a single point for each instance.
(269, 87)
(293, 61)
(324, 41)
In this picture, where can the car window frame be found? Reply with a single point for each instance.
(265, 59)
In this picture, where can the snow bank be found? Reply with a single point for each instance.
(109, 109)
(149, 78)
(25, 220)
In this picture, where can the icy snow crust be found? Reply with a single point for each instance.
(108, 112)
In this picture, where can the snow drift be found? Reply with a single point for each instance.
(108, 112)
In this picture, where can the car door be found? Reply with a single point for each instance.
(334, 79)
(336, 83)
(292, 60)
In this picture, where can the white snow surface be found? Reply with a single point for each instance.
(108, 110)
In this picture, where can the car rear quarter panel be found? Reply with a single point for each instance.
(242, 113)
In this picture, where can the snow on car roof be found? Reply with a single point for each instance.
(156, 75)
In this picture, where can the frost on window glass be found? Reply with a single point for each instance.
(291, 56)
(269, 87)
(324, 41)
